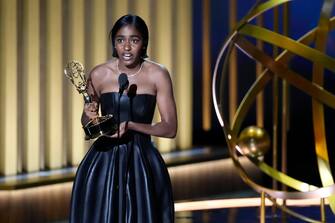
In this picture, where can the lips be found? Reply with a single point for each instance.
(127, 56)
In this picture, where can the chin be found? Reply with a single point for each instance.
(130, 63)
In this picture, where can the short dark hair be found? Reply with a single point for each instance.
(138, 23)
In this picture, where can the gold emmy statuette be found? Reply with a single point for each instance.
(102, 125)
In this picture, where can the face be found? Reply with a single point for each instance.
(129, 45)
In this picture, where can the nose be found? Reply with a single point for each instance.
(127, 45)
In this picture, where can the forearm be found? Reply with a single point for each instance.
(90, 112)
(160, 129)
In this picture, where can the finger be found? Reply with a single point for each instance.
(114, 136)
(94, 105)
(88, 108)
(92, 108)
(89, 113)
(109, 136)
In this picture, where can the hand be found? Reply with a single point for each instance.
(91, 110)
(122, 130)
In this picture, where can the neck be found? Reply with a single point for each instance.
(130, 71)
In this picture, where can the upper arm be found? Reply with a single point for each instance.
(93, 85)
(165, 98)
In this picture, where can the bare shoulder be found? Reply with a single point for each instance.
(100, 71)
(159, 77)
(157, 71)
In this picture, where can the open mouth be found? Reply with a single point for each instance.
(127, 56)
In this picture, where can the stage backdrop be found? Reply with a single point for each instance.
(40, 110)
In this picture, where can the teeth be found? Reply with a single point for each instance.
(127, 56)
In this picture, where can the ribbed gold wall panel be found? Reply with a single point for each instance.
(99, 32)
(32, 90)
(206, 66)
(116, 9)
(183, 74)
(119, 8)
(54, 85)
(76, 50)
(41, 109)
(9, 87)
(233, 70)
(142, 8)
(163, 49)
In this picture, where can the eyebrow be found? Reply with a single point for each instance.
(130, 36)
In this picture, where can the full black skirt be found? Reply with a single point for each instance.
(122, 182)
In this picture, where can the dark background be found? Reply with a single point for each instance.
(304, 16)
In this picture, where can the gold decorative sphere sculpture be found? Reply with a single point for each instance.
(254, 141)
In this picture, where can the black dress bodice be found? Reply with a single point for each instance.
(139, 108)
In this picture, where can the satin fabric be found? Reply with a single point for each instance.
(125, 180)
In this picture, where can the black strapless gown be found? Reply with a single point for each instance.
(123, 181)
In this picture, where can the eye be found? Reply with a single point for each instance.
(119, 40)
(135, 40)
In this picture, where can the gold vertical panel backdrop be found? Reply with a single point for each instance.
(54, 85)
(41, 110)
(162, 33)
(8, 87)
(75, 49)
(183, 71)
(206, 66)
(31, 90)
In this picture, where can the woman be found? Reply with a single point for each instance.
(123, 177)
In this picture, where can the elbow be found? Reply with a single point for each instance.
(172, 133)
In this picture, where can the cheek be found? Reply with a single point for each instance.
(139, 49)
(117, 49)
